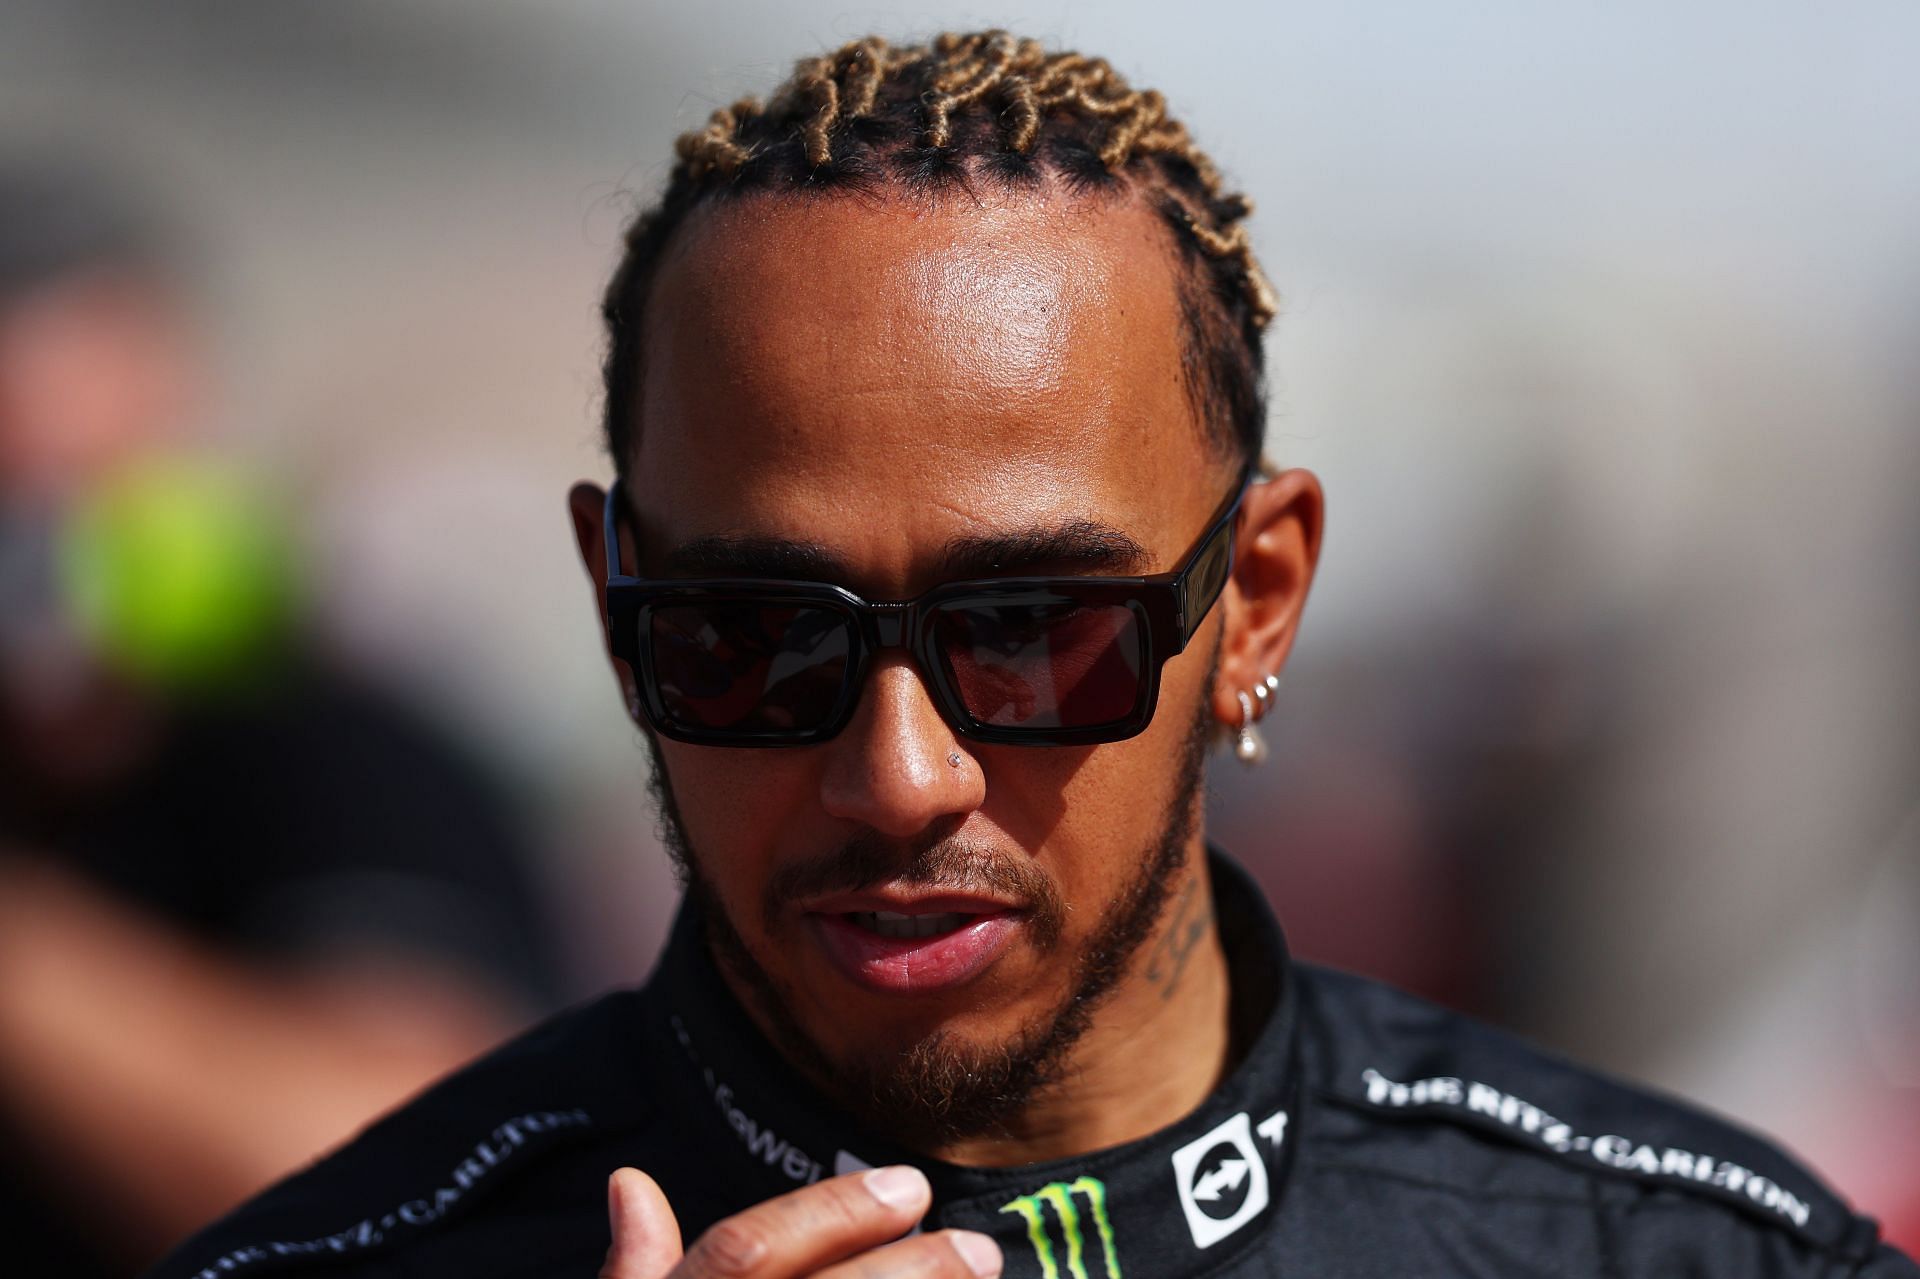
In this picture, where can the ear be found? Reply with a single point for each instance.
(586, 503)
(1278, 548)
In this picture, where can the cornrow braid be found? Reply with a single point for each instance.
(960, 110)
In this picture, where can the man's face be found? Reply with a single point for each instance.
(872, 392)
(94, 370)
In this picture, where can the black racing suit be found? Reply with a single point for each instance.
(1362, 1133)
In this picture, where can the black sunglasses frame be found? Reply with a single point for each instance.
(1169, 607)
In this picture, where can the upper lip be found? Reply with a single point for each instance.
(904, 903)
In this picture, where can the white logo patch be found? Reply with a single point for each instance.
(1216, 1171)
(1447, 1092)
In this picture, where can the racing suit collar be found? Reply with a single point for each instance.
(1176, 1202)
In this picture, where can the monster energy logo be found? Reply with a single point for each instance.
(1060, 1194)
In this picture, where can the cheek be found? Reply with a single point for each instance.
(1186, 681)
(741, 809)
(1089, 814)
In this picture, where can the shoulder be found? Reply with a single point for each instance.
(483, 1147)
(1418, 1096)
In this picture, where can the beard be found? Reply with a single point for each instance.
(939, 1089)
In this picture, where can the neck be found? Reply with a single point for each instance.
(1155, 1050)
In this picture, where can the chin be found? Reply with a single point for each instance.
(944, 1085)
(877, 1030)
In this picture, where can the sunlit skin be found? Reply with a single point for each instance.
(877, 379)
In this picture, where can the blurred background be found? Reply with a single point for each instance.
(1599, 324)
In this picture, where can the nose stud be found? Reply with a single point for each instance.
(953, 759)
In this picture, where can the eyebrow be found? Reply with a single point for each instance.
(755, 557)
(1083, 546)
(1078, 547)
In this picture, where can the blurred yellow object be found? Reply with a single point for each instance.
(180, 572)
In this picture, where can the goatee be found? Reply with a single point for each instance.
(937, 1090)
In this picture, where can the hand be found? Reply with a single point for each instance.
(847, 1227)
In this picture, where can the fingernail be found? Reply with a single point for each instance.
(898, 1187)
(981, 1254)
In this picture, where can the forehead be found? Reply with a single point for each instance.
(881, 375)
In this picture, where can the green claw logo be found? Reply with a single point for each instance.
(1060, 1194)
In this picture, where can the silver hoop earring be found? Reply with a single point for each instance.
(1248, 746)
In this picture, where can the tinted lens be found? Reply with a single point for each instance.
(743, 666)
(1045, 661)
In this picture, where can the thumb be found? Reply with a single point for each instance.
(646, 1237)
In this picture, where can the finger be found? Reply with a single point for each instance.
(801, 1231)
(646, 1237)
(948, 1254)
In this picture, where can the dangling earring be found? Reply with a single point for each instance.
(1248, 746)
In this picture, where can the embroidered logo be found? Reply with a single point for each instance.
(1222, 1179)
(1445, 1092)
(506, 1143)
(1061, 1197)
(760, 1139)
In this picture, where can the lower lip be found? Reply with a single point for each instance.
(913, 965)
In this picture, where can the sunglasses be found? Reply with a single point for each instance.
(1023, 661)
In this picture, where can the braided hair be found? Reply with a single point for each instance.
(959, 112)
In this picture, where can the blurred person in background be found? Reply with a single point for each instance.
(247, 900)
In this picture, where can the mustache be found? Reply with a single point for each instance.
(936, 860)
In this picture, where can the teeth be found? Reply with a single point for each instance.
(889, 923)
